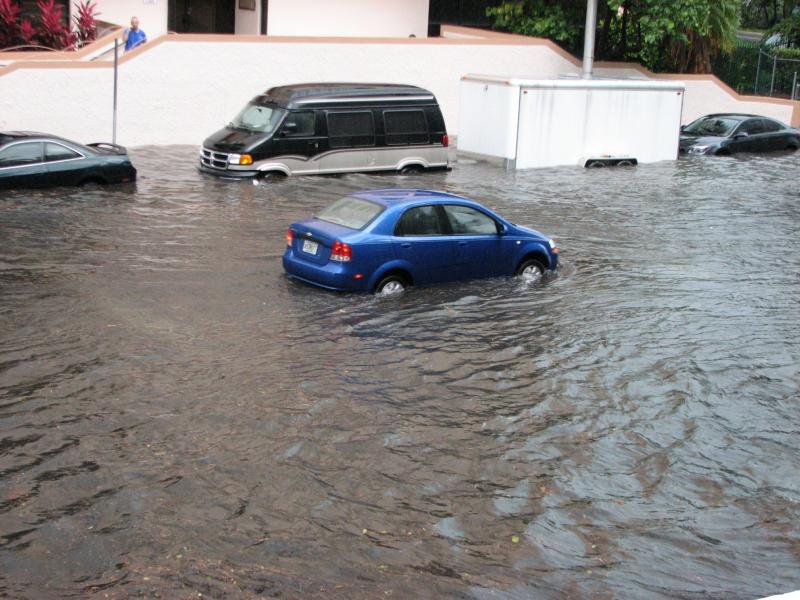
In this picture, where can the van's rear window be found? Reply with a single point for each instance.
(351, 212)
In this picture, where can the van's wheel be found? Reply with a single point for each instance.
(272, 176)
(411, 170)
(391, 285)
(530, 270)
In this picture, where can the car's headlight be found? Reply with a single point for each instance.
(240, 159)
(553, 246)
(699, 149)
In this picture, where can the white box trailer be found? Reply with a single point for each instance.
(549, 122)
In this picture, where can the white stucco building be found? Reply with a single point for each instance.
(319, 18)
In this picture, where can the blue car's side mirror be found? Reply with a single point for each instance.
(501, 229)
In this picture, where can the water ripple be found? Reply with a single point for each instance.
(177, 418)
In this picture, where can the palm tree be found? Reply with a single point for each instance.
(718, 34)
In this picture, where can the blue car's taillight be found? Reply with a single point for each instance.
(341, 252)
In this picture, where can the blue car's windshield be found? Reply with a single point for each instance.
(258, 118)
(719, 126)
(351, 212)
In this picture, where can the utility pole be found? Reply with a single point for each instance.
(588, 38)
(114, 117)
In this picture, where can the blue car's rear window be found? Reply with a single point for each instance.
(351, 212)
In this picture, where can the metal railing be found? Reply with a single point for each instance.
(781, 67)
(752, 69)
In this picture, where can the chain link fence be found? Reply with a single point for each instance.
(750, 69)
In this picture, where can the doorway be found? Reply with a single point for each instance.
(202, 16)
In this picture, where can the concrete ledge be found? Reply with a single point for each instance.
(61, 56)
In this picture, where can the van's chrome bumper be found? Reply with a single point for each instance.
(218, 163)
(225, 172)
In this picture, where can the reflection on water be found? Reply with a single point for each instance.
(178, 418)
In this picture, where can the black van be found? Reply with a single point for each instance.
(330, 128)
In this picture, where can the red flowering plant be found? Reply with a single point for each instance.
(27, 33)
(52, 31)
(86, 21)
(9, 23)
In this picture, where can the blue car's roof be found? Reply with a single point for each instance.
(398, 197)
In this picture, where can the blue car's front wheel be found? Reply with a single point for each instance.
(530, 270)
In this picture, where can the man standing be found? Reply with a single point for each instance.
(133, 37)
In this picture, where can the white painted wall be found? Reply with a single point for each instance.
(152, 14)
(248, 22)
(348, 18)
(180, 92)
(704, 96)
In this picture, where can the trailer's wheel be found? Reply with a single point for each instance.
(626, 163)
(595, 164)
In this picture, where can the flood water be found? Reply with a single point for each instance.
(177, 418)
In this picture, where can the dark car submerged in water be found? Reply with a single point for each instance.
(35, 160)
(728, 133)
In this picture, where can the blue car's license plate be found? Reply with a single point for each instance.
(310, 247)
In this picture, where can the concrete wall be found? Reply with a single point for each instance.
(706, 94)
(181, 88)
(248, 22)
(348, 18)
(178, 92)
(152, 14)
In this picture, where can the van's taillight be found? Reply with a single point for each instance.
(289, 237)
(445, 140)
(341, 252)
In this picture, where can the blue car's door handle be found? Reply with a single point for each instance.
(462, 243)
(405, 245)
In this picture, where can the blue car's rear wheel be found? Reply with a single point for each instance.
(391, 285)
(530, 269)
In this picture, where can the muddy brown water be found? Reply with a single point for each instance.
(177, 418)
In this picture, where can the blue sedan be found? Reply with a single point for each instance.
(383, 241)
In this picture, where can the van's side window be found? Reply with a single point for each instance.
(299, 124)
(348, 129)
(404, 127)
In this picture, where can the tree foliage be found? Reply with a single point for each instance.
(787, 30)
(766, 14)
(679, 35)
